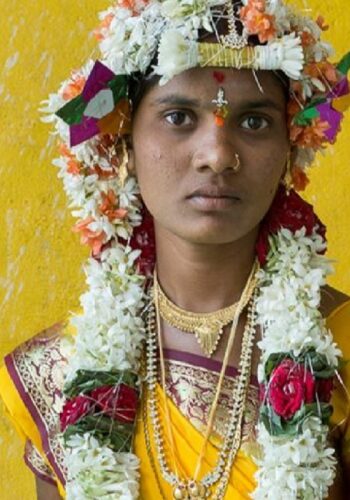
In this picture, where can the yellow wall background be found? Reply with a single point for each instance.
(40, 259)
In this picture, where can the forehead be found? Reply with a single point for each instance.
(239, 85)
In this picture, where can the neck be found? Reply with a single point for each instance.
(203, 278)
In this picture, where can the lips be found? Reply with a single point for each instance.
(211, 198)
(212, 191)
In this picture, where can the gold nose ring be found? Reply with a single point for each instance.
(237, 166)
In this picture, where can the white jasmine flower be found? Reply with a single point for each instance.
(175, 54)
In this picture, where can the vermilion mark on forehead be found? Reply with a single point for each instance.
(219, 76)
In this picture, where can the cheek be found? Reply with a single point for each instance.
(157, 174)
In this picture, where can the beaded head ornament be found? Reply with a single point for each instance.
(91, 112)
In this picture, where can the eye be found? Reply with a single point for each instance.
(255, 123)
(178, 118)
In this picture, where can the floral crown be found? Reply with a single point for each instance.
(164, 38)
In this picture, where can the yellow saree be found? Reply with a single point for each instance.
(31, 383)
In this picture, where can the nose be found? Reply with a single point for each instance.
(216, 151)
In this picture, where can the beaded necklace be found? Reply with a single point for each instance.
(219, 476)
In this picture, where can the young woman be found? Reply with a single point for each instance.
(207, 287)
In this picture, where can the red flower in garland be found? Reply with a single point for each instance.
(143, 239)
(324, 388)
(118, 402)
(291, 385)
(75, 409)
(287, 211)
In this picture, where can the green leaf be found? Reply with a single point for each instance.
(106, 430)
(87, 380)
(277, 426)
(274, 360)
(72, 112)
(119, 87)
(305, 117)
(344, 65)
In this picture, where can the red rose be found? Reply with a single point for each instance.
(73, 410)
(290, 386)
(143, 239)
(289, 212)
(118, 402)
(324, 388)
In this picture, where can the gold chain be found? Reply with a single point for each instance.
(219, 476)
(207, 327)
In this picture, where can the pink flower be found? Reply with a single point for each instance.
(73, 410)
(291, 385)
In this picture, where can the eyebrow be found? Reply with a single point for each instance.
(181, 100)
(177, 100)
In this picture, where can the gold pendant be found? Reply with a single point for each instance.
(208, 337)
(190, 491)
(207, 327)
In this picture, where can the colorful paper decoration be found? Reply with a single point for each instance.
(330, 108)
(101, 108)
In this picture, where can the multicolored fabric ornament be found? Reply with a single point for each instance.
(329, 109)
(102, 107)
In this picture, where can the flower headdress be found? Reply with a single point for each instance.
(91, 111)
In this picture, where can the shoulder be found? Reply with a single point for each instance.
(331, 300)
(37, 367)
(34, 374)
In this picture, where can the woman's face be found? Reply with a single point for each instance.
(183, 159)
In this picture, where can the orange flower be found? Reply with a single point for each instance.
(293, 107)
(297, 89)
(299, 178)
(102, 173)
(106, 22)
(127, 4)
(74, 167)
(94, 239)
(74, 88)
(323, 71)
(312, 136)
(320, 22)
(65, 151)
(109, 206)
(257, 22)
(307, 39)
(133, 5)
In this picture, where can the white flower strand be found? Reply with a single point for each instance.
(295, 467)
(95, 471)
(109, 332)
(288, 311)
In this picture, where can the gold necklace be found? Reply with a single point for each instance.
(192, 488)
(207, 327)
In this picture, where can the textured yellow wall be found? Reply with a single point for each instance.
(40, 277)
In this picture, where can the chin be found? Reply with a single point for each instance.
(212, 234)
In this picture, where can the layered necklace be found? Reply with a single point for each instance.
(206, 327)
(213, 484)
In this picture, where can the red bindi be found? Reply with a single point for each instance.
(219, 76)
